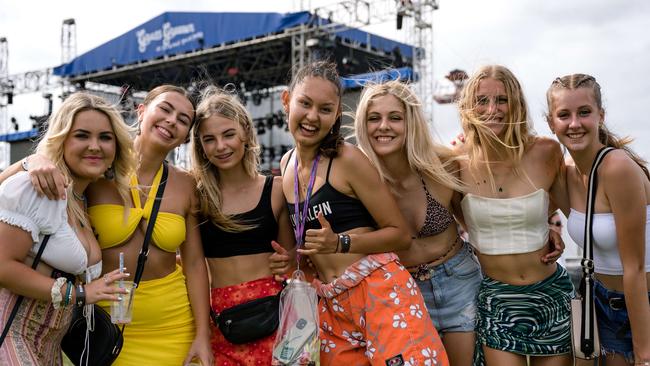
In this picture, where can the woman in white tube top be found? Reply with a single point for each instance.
(621, 245)
(513, 178)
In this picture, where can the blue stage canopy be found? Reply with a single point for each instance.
(19, 136)
(174, 33)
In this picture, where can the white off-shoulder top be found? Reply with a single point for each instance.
(20, 206)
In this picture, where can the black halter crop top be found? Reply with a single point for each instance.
(341, 211)
(222, 244)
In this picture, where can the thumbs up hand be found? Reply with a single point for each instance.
(281, 261)
(320, 241)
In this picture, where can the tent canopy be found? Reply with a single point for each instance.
(154, 45)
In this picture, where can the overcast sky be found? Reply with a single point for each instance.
(537, 40)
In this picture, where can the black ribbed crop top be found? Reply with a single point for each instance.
(222, 244)
(341, 211)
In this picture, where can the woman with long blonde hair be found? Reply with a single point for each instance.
(514, 180)
(243, 215)
(87, 140)
(391, 129)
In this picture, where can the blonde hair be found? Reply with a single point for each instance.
(218, 102)
(519, 134)
(606, 137)
(424, 155)
(58, 129)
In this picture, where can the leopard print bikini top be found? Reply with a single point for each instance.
(437, 219)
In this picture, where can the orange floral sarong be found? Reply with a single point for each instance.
(374, 314)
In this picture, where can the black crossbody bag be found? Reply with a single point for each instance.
(249, 321)
(105, 340)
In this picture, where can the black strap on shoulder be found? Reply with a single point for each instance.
(144, 252)
(268, 184)
(587, 332)
(287, 164)
(329, 167)
(19, 300)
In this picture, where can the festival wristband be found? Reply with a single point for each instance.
(56, 292)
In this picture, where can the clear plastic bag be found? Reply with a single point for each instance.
(297, 341)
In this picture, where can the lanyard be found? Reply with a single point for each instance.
(301, 218)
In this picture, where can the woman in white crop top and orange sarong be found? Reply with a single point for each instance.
(511, 176)
(621, 244)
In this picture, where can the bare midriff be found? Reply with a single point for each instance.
(433, 250)
(615, 282)
(238, 269)
(332, 266)
(517, 269)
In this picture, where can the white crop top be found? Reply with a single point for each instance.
(20, 206)
(499, 226)
(606, 258)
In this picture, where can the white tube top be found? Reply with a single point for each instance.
(498, 226)
(606, 256)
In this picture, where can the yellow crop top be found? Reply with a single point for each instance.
(111, 229)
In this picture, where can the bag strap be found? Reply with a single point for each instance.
(19, 300)
(588, 332)
(144, 252)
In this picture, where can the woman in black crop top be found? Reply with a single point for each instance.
(391, 130)
(243, 214)
(371, 307)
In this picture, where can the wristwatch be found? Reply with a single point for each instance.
(24, 164)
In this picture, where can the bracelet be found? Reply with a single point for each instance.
(56, 292)
(24, 164)
(68, 294)
(337, 243)
(345, 242)
(81, 296)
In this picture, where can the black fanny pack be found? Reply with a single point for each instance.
(249, 321)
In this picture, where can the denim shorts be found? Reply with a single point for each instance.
(450, 294)
(613, 322)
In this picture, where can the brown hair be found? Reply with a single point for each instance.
(606, 137)
(167, 88)
(326, 70)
